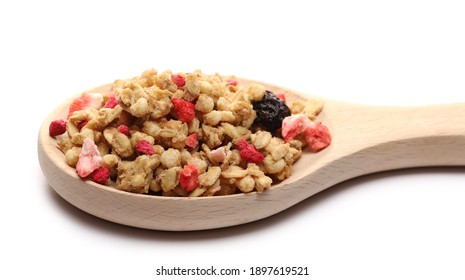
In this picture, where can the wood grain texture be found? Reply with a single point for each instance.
(365, 140)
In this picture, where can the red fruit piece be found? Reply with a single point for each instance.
(111, 102)
(82, 124)
(189, 177)
(248, 152)
(178, 80)
(317, 136)
(101, 175)
(123, 129)
(184, 109)
(293, 126)
(85, 101)
(281, 96)
(192, 141)
(57, 127)
(89, 158)
(144, 147)
(232, 82)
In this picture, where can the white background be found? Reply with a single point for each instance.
(396, 225)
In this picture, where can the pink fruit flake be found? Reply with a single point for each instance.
(232, 82)
(89, 159)
(101, 175)
(178, 80)
(189, 177)
(317, 136)
(218, 154)
(111, 102)
(123, 129)
(192, 141)
(85, 101)
(248, 152)
(57, 127)
(82, 124)
(144, 147)
(293, 126)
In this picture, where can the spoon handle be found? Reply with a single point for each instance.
(370, 139)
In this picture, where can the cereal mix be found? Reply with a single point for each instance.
(187, 134)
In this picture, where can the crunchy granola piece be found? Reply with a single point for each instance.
(271, 166)
(201, 164)
(104, 118)
(169, 178)
(122, 145)
(236, 133)
(260, 139)
(310, 107)
(255, 92)
(170, 158)
(243, 113)
(212, 136)
(72, 156)
(173, 134)
(78, 138)
(204, 104)
(111, 162)
(64, 144)
(215, 117)
(234, 172)
(246, 184)
(136, 176)
(208, 178)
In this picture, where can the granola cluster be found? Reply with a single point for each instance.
(184, 134)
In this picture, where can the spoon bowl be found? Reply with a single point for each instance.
(366, 139)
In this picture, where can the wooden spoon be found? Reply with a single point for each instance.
(366, 139)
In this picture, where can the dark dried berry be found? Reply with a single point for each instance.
(270, 111)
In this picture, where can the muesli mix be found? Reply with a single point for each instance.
(187, 134)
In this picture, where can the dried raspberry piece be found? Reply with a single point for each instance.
(184, 109)
(111, 102)
(101, 174)
(82, 124)
(178, 80)
(144, 147)
(192, 141)
(57, 127)
(85, 101)
(189, 177)
(317, 136)
(232, 82)
(123, 129)
(248, 152)
(294, 125)
(89, 158)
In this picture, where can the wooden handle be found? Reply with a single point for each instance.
(371, 139)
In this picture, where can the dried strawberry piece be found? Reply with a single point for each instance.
(178, 80)
(111, 102)
(281, 96)
(57, 127)
(85, 101)
(189, 177)
(191, 140)
(144, 147)
(248, 152)
(82, 124)
(123, 129)
(89, 158)
(232, 82)
(293, 126)
(101, 174)
(317, 136)
(184, 109)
